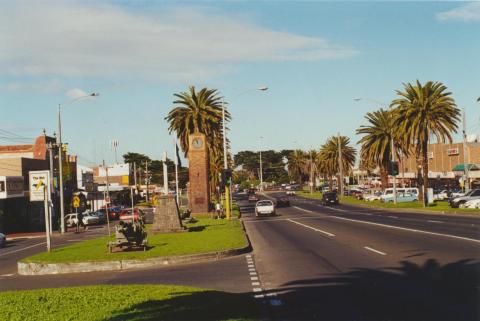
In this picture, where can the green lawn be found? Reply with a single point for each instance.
(126, 302)
(438, 206)
(206, 235)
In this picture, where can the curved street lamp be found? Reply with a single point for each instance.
(60, 162)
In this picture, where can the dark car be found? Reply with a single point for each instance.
(252, 198)
(329, 198)
(101, 214)
(283, 202)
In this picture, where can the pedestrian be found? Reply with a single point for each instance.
(80, 222)
(218, 209)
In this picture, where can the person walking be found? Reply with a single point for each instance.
(218, 210)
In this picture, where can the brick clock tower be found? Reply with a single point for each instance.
(198, 191)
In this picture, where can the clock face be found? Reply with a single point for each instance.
(197, 143)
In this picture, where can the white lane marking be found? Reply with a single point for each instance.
(23, 249)
(337, 209)
(433, 221)
(257, 290)
(255, 283)
(7, 275)
(259, 296)
(251, 265)
(373, 250)
(391, 216)
(312, 228)
(248, 255)
(251, 269)
(302, 209)
(271, 294)
(254, 278)
(408, 229)
(253, 273)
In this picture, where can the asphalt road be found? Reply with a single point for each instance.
(325, 263)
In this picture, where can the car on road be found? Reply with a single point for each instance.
(329, 198)
(126, 214)
(252, 198)
(88, 219)
(471, 195)
(401, 198)
(102, 216)
(283, 202)
(290, 192)
(264, 207)
(3, 240)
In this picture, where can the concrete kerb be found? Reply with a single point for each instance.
(30, 268)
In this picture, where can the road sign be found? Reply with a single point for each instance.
(38, 181)
(76, 201)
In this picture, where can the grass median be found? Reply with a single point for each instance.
(206, 235)
(440, 206)
(126, 302)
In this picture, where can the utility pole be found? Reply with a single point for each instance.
(176, 173)
(340, 162)
(466, 183)
(107, 199)
(311, 173)
(50, 147)
(115, 145)
(165, 174)
(135, 174)
(146, 177)
(60, 170)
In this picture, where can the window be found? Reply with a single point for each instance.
(2, 186)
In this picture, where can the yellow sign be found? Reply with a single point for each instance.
(154, 200)
(125, 180)
(76, 201)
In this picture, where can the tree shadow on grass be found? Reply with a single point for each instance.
(208, 305)
(408, 292)
(198, 228)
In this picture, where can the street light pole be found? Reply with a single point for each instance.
(60, 157)
(340, 165)
(392, 147)
(261, 166)
(225, 163)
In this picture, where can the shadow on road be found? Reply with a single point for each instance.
(209, 305)
(409, 292)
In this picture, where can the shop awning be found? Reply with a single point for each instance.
(461, 167)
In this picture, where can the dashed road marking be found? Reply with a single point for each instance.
(254, 278)
(302, 209)
(312, 228)
(433, 221)
(375, 251)
(255, 283)
(408, 229)
(391, 216)
(251, 270)
(259, 296)
(7, 275)
(257, 289)
(253, 273)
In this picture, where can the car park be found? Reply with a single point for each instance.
(3, 240)
(471, 195)
(329, 198)
(264, 207)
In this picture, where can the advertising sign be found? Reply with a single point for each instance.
(38, 181)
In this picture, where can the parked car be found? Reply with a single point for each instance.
(114, 212)
(329, 198)
(283, 202)
(471, 195)
(388, 193)
(3, 240)
(88, 219)
(471, 204)
(440, 195)
(264, 207)
(401, 198)
(375, 196)
(290, 192)
(252, 198)
(102, 216)
(126, 214)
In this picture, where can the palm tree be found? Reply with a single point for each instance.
(422, 112)
(198, 112)
(329, 153)
(311, 167)
(376, 144)
(296, 165)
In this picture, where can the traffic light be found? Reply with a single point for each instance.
(393, 169)
(226, 175)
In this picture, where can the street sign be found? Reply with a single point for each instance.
(38, 181)
(76, 201)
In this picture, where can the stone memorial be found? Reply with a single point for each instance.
(166, 218)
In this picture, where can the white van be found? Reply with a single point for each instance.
(408, 190)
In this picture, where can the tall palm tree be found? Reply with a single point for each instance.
(376, 144)
(296, 165)
(311, 167)
(329, 154)
(422, 112)
(198, 112)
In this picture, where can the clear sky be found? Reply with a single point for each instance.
(314, 56)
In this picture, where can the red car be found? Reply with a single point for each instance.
(126, 214)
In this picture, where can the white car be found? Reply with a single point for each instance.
(372, 197)
(471, 204)
(264, 207)
(401, 198)
(88, 219)
(442, 195)
(3, 240)
(290, 192)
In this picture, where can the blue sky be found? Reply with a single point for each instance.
(314, 56)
